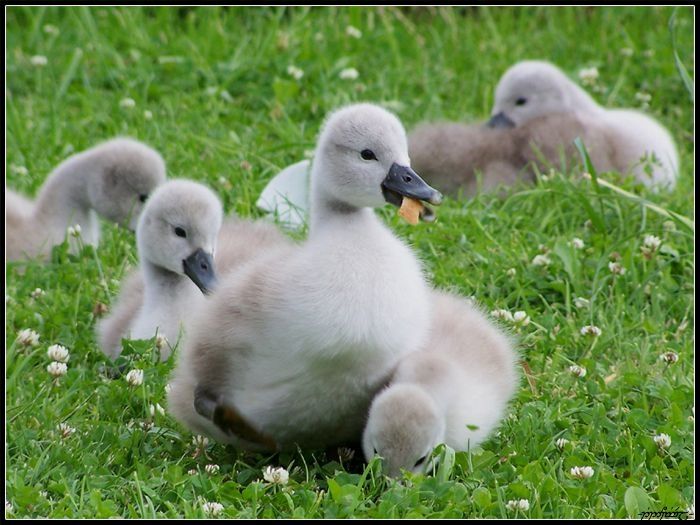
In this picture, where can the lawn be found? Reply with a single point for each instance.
(211, 90)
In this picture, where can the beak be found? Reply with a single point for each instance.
(500, 120)
(402, 181)
(200, 268)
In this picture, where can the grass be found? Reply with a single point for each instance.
(225, 111)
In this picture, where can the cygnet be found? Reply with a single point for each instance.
(112, 180)
(453, 391)
(291, 349)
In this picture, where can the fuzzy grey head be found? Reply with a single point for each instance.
(361, 147)
(532, 88)
(403, 427)
(182, 218)
(123, 174)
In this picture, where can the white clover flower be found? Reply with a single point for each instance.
(662, 440)
(504, 315)
(148, 115)
(511, 272)
(353, 32)
(74, 231)
(582, 472)
(626, 51)
(349, 73)
(135, 377)
(521, 318)
(56, 369)
(518, 504)
(212, 507)
(295, 72)
(669, 226)
(616, 268)
(577, 243)
(541, 260)
(51, 30)
(591, 330)
(39, 60)
(652, 241)
(643, 98)
(9, 508)
(19, 170)
(152, 409)
(192, 472)
(200, 441)
(127, 103)
(580, 302)
(578, 371)
(589, 76)
(65, 430)
(279, 476)
(561, 443)
(669, 357)
(58, 353)
(28, 337)
(212, 469)
(38, 293)
(161, 341)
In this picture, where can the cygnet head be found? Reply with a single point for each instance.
(533, 88)
(178, 230)
(362, 161)
(124, 173)
(404, 426)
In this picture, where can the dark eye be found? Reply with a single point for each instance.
(420, 460)
(180, 232)
(368, 154)
(143, 197)
(521, 101)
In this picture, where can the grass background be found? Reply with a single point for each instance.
(225, 111)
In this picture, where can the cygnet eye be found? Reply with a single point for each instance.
(420, 460)
(368, 154)
(521, 101)
(143, 197)
(180, 232)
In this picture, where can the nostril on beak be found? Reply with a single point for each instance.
(407, 178)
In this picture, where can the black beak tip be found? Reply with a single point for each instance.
(199, 267)
(499, 121)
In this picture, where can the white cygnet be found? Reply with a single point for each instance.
(453, 391)
(112, 180)
(292, 348)
(639, 144)
(176, 238)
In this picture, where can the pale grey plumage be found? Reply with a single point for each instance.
(299, 340)
(111, 179)
(454, 390)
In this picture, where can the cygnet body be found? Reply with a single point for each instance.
(176, 237)
(531, 89)
(295, 344)
(453, 391)
(451, 155)
(112, 180)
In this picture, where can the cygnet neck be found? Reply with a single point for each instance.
(163, 286)
(64, 198)
(326, 210)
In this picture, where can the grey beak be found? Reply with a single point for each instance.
(500, 120)
(402, 181)
(200, 268)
